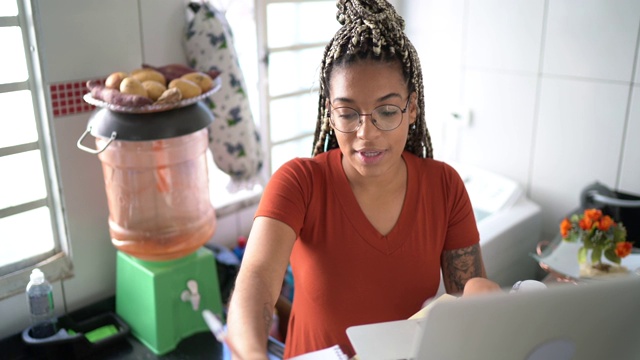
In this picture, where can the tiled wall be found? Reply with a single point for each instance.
(551, 85)
(66, 98)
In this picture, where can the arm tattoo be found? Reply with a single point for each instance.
(460, 265)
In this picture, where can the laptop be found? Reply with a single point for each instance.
(593, 321)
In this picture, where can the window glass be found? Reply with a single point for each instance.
(289, 150)
(306, 23)
(8, 8)
(21, 239)
(25, 172)
(220, 190)
(17, 122)
(13, 65)
(293, 116)
(291, 71)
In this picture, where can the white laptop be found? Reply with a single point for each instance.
(593, 321)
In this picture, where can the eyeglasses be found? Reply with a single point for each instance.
(384, 117)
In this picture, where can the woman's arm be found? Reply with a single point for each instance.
(258, 286)
(462, 267)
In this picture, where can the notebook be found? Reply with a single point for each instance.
(594, 321)
(331, 353)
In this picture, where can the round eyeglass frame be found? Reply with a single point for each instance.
(373, 121)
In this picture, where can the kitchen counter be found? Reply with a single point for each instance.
(198, 346)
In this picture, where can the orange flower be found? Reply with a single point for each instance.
(565, 226)
(605, 223)
(593, 214)
(623, 249)
(586, 223)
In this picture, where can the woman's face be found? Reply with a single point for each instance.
(364, 86)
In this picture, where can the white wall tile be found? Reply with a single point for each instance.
(580, 128)
(435, 28)
(592, 38)
(163, 27)
(499, 136)
(86, 39)
(504, 34)
(630, 171)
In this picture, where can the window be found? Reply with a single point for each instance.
(291, 40)
(28, 185)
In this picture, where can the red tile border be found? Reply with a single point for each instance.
(66, 98)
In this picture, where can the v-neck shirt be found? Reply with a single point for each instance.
(345, 271)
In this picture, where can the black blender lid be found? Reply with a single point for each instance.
(150, 126)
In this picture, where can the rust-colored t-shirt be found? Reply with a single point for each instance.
(345, 272)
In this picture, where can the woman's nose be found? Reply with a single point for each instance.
(367, 129)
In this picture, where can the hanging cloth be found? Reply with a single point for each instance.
(234, 141)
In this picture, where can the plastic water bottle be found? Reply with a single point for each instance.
(40, 299)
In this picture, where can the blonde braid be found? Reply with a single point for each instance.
(371, 30)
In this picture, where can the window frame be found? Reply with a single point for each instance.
(56, 262)
(264, 53)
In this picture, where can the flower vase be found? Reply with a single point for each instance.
(600, 237)
(593, 265)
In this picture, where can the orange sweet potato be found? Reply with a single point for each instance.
(115, 97)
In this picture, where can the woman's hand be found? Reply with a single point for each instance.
(480, 285)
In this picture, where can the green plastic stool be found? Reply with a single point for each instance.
(154, 297)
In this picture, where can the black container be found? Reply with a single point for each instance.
(622, 207)
(76, 346)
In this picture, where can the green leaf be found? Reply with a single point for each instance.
(619, 233)
(571, 237)
(596, 255)
(610, 254)
(582, 254)
(587, 241)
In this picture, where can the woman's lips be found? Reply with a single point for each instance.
(369, 157)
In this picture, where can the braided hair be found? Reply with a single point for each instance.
(371, 30)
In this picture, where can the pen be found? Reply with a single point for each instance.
(218, 330)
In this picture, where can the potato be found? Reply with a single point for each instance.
(170, 96)
(149, 74)
(188, 88)
(113, 81)
(154, 89)
(201, 79)
(132, 86)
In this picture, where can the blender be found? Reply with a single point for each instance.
(160, 216)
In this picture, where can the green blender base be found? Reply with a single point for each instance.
(154, 297)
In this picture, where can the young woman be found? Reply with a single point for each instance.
(370, 221)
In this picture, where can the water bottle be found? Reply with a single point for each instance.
(40, 299)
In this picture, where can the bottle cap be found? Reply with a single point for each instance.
(242, 242)
(37, 276)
